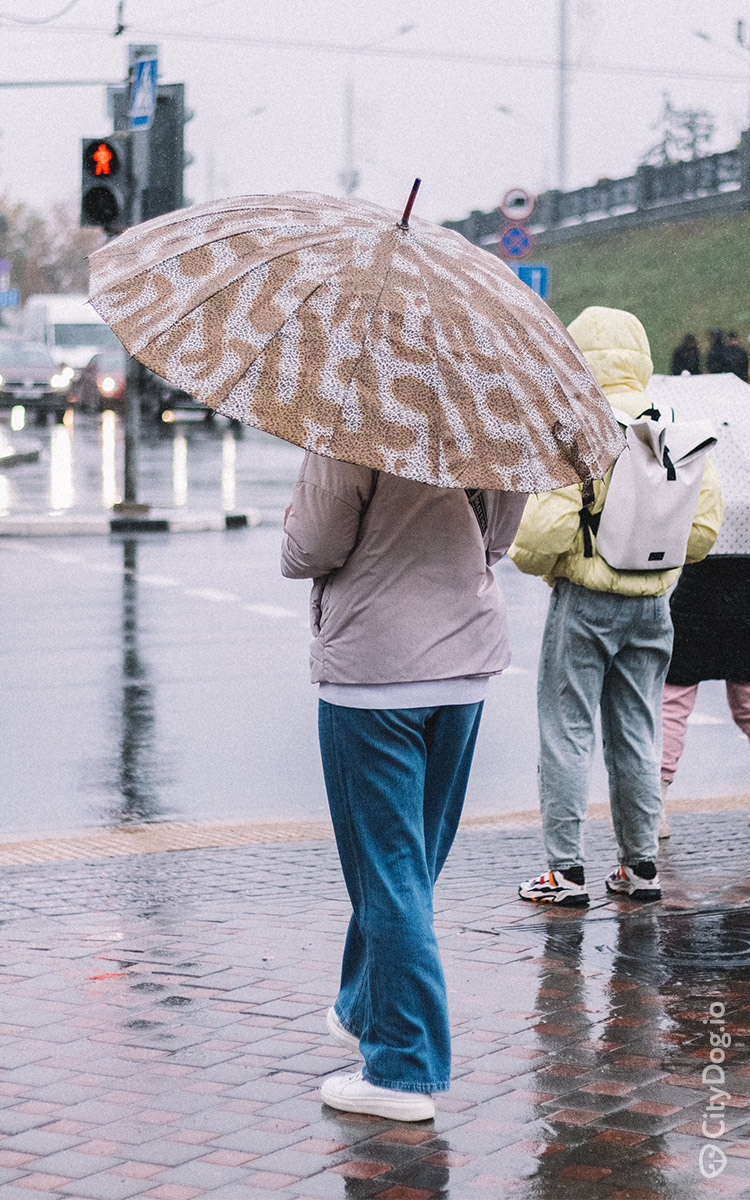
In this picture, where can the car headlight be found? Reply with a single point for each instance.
(1, 380)
(68, 372)
(107, 385)
(59, 381)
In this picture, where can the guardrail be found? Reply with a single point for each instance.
(677, 190)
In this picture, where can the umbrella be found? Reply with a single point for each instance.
(725, 400)
(328, 322)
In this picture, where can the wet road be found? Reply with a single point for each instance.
(187, 465)
(166, 676)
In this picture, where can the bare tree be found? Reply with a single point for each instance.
(48, 252)
(686, 133)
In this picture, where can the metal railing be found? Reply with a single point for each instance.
(650, 188)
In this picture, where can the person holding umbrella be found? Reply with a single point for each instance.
(409, 625)
(432, 391)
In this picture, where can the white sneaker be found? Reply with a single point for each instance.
(339, 1034)
(625, 881)
(553, 888)
(352, 1093)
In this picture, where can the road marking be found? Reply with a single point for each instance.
(270, 610)
(158, 580)
(700, 718)
(274, 612)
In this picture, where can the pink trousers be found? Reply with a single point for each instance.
(677, 705)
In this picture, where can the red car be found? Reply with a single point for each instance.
(102, 381)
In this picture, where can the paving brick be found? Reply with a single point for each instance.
(190, 1068)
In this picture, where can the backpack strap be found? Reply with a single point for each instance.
(476, 500)
(589, 521)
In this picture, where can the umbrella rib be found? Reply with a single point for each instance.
(368, 326)
(188, 312)
(321, 283)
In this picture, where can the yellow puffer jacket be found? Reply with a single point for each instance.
(549, 541)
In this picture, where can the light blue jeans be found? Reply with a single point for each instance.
(396, 780)
(611, 652)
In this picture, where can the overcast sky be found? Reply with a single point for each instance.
(428, 100)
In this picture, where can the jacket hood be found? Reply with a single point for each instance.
(615, 346)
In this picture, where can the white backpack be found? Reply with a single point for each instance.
(653, 494)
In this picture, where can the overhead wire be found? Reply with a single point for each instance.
(398, 52)
(39, 20)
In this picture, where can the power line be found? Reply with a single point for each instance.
(44, 83)
(38, 20)
(397, 52)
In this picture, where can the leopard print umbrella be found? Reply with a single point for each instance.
(329, 323)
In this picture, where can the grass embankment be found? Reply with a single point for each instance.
(687, 277)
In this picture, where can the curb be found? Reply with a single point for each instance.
(25, 450)
(155, 521)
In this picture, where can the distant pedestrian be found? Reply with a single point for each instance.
(687, 356)
(735, 357)
(408, 625)
(711, 614)
(606, 646)
(716, 362)
(711, 603)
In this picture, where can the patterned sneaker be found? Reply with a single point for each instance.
(339, 1034)
(352, 1093)
(554, 888)
(640, 882)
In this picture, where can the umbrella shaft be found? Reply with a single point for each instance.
(404, 222)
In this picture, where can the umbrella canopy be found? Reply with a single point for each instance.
(725, 401)
(332, 325)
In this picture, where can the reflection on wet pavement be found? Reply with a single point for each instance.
(169, 1034)
(139, 772)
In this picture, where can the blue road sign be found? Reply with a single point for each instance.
(516, 241)
(9, 298)
(143, 102)
(535, 276)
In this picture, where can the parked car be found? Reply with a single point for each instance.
(102, 385)
(102, 381)
(30, 376)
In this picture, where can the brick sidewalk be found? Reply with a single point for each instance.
(163, 1029)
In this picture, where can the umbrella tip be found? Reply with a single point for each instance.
(404, 222)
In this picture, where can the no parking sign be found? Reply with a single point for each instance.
(516, 241)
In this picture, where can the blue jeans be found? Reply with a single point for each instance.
(396, 780)
(602, 650)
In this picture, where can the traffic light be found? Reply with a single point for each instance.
(105, 181)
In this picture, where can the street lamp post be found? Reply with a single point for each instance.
(742, 35)
(349, 177)
(562, 95)
(743, 40)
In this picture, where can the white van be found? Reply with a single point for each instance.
(69, 328)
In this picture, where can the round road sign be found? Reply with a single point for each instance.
(516, 242)
(517, 204)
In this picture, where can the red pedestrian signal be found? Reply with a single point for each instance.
(105, 182)
(102, 156)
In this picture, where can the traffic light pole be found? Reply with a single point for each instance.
(132, 440)
(139, 166)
